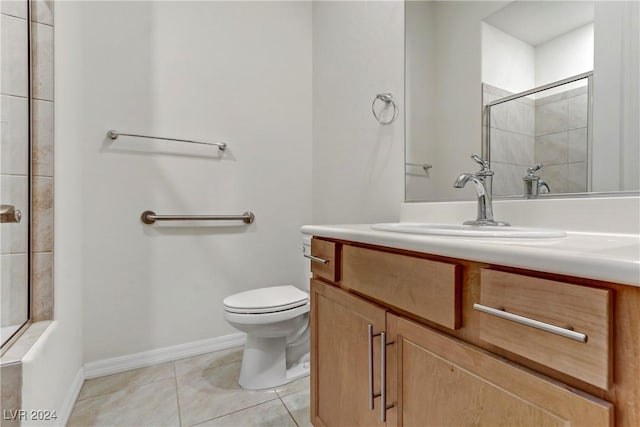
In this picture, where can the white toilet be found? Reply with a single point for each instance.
(276, 321)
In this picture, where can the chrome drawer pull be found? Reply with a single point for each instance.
(316, 259)
(383, 377)
(372, 395)
(563, 332)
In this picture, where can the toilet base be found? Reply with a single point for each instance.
(264, 364)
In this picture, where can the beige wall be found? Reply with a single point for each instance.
(357, 162)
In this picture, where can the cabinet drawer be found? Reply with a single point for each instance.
(558, 310)
(425, 288)
(326, 264)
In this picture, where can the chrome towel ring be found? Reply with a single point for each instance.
(387, 98)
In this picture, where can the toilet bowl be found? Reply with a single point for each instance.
(276, 321)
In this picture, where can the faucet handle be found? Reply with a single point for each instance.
(534, 168)
(483, 163)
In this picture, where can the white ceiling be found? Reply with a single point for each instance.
(536, 22)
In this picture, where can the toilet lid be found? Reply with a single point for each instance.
(266, 300)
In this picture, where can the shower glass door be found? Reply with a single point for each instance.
(15, 169)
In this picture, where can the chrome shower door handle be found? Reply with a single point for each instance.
(9, 214)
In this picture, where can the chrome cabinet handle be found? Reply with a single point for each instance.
(372, 395)
(383, 377)
(563, 332)
(316, 259)
(9, 214)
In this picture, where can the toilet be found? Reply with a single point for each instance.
(276, 321)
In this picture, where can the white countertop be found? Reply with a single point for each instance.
(600, 256)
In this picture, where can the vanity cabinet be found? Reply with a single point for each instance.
(340, 348)
(442, 381)
(445, 363)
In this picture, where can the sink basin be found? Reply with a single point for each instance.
(468, 230)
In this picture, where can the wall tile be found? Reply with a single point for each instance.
(42, 11)
(578, 111)
(10, 391)
(43, 138)
(13, 290)
(14, 191)
(507, 180)
(510, 147)
(555, 176)
(551, 118)
(14, 8)
(552, 148)
(577, 177)
(13, 56)
(42, 214)
(42, 61)
(14, 129)
(500, 116)
(521, 117)
(42, 286)
(578, 143)
(494, 91)
(562, 95)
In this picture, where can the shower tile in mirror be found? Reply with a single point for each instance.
(17, 8)
(14, 126)
(577, 146)
(552, 148)
(43, 138)
(13, 237)
(42, 11)
(13, 56)
(551, 117)
(42, 61)
(42, 214)
(13, 293)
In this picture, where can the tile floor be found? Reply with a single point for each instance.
(197, 391)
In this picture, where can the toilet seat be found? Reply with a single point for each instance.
(266, 300)
(266, 318)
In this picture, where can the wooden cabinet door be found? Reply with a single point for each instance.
(436, 380)
(340, 357)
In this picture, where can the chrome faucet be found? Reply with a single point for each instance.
(533, 184)
(482, 182)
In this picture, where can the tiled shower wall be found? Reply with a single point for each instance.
(512, 131)
(551, 130)
(15, 157)
(14, 179)
(562, 140)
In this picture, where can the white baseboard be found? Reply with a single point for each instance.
(70, 398)
(118, 364)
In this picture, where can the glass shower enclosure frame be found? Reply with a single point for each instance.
(16, 150)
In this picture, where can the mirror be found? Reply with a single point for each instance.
(466, 60)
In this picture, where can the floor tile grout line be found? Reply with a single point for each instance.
(175, 381)
(288, 411)
(236, 411)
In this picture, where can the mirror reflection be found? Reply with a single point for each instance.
(546, 91)
(545, 134)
